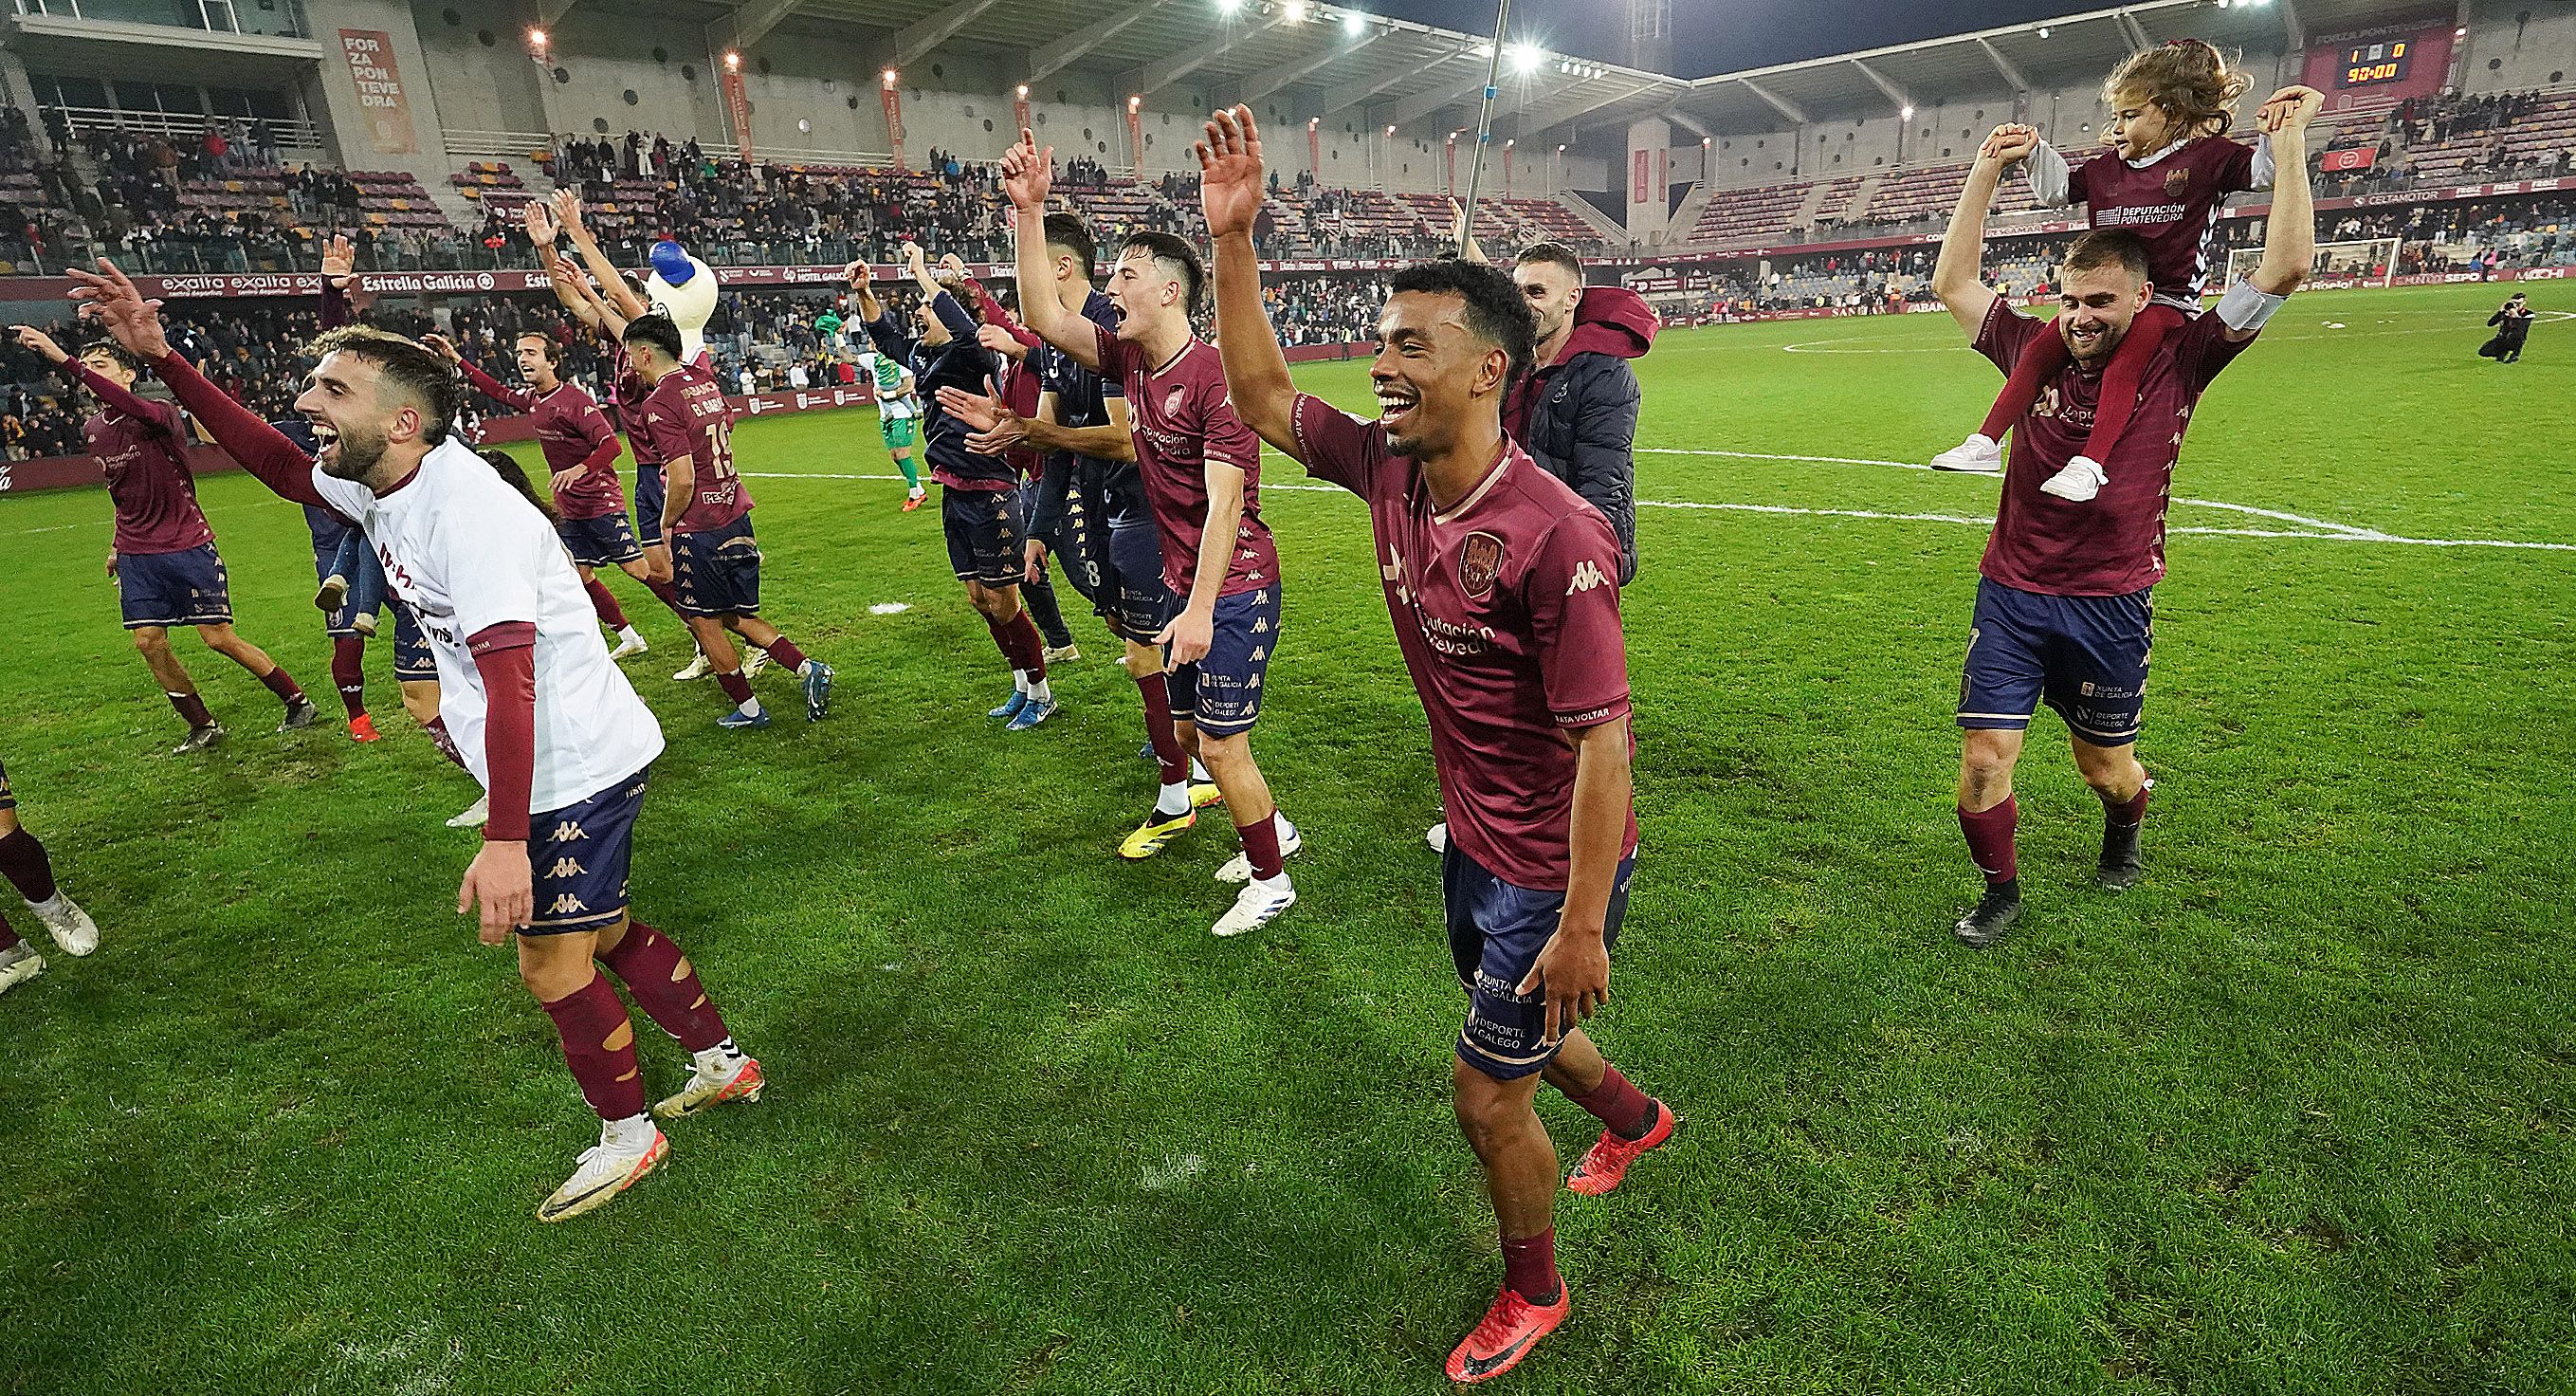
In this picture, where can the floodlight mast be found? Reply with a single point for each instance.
(1484, 127)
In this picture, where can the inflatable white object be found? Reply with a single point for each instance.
(685, 289)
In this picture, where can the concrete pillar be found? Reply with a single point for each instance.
(22, 94)
(1649, 180)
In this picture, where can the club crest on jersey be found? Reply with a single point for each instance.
(2176, 181)
(1480, 560)
(1172, 399)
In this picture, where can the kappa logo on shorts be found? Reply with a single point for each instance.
(1259, 653)
(1261, 626)
(566, 867)
(568, 830)
(1480, 561)
(1587, 576)
(566, 905)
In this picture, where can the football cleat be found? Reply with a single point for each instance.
(735, 719)
(1011, 706)
(1505, 1335)
(818, 689)
(473, 815)
(1980, 454)
(18, 964)
(200, 739)
(299, 714)
(2120, 865)
(1146, 752)
(1204, 793)
(754, 659)
(364, 623)
(698, 668)
(362, 728)
(605, 1171)
(70, 926)
(1994, 914)
(1065, 653)
(1256, 906)
(1438, 837)
(1604, 1164)
(1031, 713)
(628, 648)
(334, 590)
(913, 500)
(2082, 479)
(711, 1086)
(1158, 830)
(1239, 867)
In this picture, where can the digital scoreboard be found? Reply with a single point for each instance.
(2375, 65)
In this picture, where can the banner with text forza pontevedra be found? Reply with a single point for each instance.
(2379, 66)
(370, 55)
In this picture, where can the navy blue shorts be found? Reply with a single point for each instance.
(605, 541)
(985, 529)
(182, 588)
(649, 495)
(2085, 656)
(717, 570)
(413, 660)
(1496, 931)
(1136, 599)
(578, 857)
(1222, 692)
(1075, 540)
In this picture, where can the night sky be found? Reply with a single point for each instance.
(1717, 36)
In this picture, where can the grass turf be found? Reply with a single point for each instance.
(2291, 1116)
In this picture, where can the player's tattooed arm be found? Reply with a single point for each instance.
(1573, 969)
(1256, 371)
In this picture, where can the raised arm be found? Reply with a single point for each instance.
(339, 282)
(135, 322)
(614, 292)
(1958, 278)
(1256, 372)
(2290, 230)
(111, 396)
(542, 233)
(1026, 178)
(516, 399)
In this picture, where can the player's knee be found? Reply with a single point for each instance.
(1226, 753)
(153, 643)
(1484, 1108)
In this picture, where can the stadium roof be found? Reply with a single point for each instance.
(1308, 58)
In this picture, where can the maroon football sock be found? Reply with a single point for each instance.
(668, 595)
(1158, 729)
(783, 652)
(1261, 845)
(1001, 631)
(1028, 647)
(23, 862)
(605, 604)
(735, 686)
(1990, 840)
(2128, 813)
(446, 744)
(282, 684)
(1529, 1267)
(2041, 359)
(659, 977)
(1619, 1106)
(8, 938)
(349, 673)
(589, 1018)
(2118, 400)
(192, 709)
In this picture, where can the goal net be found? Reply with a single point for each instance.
(2366, 262)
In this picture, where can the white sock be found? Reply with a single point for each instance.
(723, 1056)
(1279, 821)
(627, 635)
(633, 1132)
(1020, 681)
(1040, 692)
(1199, 773)
(1272, 884)
(51, 906)
(1173, 798)
(750, 707)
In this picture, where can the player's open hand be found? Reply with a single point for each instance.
(1230, 191)
(1189, 636)
(29, 337)
(112, 299)
(499, 879)
(2290, 109)
(568, 215)
(1028, 172)
(563, 480)
(540, 220)
(1573, 970)
(339, 259)
(445, 348)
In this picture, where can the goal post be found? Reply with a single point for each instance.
(2363, 262)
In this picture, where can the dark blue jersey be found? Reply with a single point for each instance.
(960, 363)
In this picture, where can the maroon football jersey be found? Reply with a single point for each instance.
(143, 453)
(2171, 201)
(572, 431)
(2114, 544)
(1181, 419)
(685, 415)
(1506, 606)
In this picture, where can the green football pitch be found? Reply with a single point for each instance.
(2293, 1115)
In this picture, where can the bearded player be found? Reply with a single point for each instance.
(1201, 470)
(548, 725)
(1504, 588)
(2064, 600)
(581, 454)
